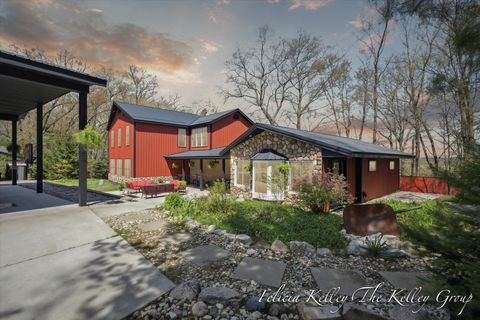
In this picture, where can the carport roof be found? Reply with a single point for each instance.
(26, 83)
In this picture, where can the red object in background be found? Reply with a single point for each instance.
(425, 185)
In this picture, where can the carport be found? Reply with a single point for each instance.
(26, 85)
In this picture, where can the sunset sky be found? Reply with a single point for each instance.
(185, 43)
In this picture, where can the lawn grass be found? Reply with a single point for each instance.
(92, 184)
(269, 221)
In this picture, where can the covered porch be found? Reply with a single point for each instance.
(200, 167)
(27, 85)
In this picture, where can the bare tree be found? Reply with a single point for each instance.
(363, 95)
(253, 76)
(311, 67)
(374, 41)
(143, 86)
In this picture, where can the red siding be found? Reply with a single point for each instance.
(425, 185)
(154, 141)
(228, 129)
(381, 182)
(122, 152)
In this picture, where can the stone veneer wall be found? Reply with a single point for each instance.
(289, 147)
(119, 179)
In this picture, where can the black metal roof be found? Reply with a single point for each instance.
(199, 154)
(269, 154)
(26, 82)
(341, 145)
(165, 116)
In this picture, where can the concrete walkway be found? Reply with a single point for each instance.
(63, 262)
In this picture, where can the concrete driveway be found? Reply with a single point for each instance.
(65, 263)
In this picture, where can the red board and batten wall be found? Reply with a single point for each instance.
(154, 141)
(381, 182)
(121, 121)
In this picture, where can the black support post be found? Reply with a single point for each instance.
(14, 152)
(39, 147)
(201, 174)
(183, 169)
(223, 169)
(82, 152)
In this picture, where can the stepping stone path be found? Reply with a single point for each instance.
(403, 280)
(203, 255)
(348, 281)
(174, 239)
(266, 272)
(154, 226)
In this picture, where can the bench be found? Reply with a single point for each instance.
(156, 189)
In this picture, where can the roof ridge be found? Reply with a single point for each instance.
(156, 108)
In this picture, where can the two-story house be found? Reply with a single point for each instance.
(154, 142)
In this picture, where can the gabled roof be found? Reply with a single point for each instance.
(268, 154)
(341, 145)
(165, 116)
(199, 154)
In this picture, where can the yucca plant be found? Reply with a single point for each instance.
(375, 246)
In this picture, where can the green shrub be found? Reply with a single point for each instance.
(218, 199)
(375, 246)
(174, 201)
(323, 191)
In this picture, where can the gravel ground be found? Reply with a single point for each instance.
(297, 278)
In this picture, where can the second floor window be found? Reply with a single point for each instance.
(182, 137)
(127, 135)
(112, 138)
(199, 137)
(119, 137)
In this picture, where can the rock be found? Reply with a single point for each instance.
(244, 239)
(318, 313)
(254, 305)
(213, 312)
(261, 244)
(251, 252)
(406, 313)
(211, 229)
(323, 252)
(300, 247)
(172, 315)
(277, 309)
(352, 311)
(223, 295)
(199, 309)
(392, 253)
(230, 236)
(279, 246)
(357, 248)
(185, 291)
(219, 232)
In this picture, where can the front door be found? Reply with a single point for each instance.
(265, 176)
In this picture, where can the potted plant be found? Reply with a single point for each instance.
(325, 190)
(174, 165)
(248, 167)
(191, 164)
(211, 164)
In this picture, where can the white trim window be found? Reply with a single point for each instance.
(112, 138)
(241, 177)
(264, 173)
(391, 164)
(199, 137)
(112, 166)
(119, 137)
(127, 164)
(119, 168)
(182, 138)
(300, 173)
(127, 136)
(372, 165)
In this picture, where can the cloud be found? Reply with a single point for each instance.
(358, 23)
(308, 4)
(209, 47)
(54, 26)
(273, 1)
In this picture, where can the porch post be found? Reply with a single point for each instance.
(82, 152)
(223, 169)
(183, 169)
(201, 174)
(39, 147)
(14, 152)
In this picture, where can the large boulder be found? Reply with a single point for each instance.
(366, 219)
(353, 311)
(187, 290)
(223, 295)
(300, 247)
(279, 246)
